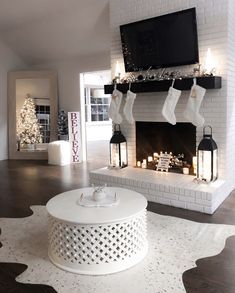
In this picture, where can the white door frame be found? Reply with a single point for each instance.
(83, 118)
(83, 112)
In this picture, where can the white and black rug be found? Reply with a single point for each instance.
(174, 246)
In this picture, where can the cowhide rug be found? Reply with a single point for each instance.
(174, 246)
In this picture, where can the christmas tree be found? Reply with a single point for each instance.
(62, 123)
(28, 128)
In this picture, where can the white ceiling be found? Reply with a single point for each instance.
(45, 30)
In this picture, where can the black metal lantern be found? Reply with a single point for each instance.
(207, 157)
(118, 149)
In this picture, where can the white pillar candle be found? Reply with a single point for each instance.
(186, 170)
(117, 72)
(138, 164)
(144, 164)
(155, 155)
(150, 158)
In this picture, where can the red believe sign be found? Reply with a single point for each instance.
(74, 135)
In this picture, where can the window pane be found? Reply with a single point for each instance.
(94, 117)
(106, 101)
(94, 109)
(93, 100)
(100, 117)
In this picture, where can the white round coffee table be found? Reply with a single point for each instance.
(97, 240)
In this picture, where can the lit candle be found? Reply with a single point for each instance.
(210, 65)
(155, 156)
(150, 158)
(138, 164)
(194, 165)
(144, 164)
(117, 71)
(186, 170)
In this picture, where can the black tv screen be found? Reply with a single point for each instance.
(163, 41)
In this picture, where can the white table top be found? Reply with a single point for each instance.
(65, 206)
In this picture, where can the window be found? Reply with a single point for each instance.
(43, 115)
(97, 105)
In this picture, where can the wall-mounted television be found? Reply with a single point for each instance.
(164, 41)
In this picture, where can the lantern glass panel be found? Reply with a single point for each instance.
(114, 154)
(215, 164)
(204, 167)
(123, 154)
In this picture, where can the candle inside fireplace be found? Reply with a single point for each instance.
(155, 156)
(138, 164)
(186, 170)
(150, 158)
(144, 164)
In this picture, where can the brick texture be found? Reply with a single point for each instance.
(216, 22)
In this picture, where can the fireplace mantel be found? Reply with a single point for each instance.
(208, 82)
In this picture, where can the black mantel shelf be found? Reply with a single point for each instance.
(208, 82)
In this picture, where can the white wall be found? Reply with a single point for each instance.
(212, 20)
(9, 61)
(68, 77)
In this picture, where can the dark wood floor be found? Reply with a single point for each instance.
(25, 183)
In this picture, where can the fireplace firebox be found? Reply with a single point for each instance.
(178, 140)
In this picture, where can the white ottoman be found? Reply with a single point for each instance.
(59, 153)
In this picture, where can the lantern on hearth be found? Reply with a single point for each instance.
(207, 158)
(118, 149)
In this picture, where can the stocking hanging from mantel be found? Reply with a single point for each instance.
(191, 112)
(172, 98)
(128, 107)
(114, 107)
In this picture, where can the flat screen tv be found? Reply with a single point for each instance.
(164, 41)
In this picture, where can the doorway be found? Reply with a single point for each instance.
(96, 125)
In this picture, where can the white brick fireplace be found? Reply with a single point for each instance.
(215, 22)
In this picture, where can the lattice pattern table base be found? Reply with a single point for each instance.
(100, 248)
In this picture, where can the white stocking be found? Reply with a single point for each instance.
(127, 110)
(115, 106)
(168, 110)
(191, 112)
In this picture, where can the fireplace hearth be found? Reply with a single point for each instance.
(156, 138)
